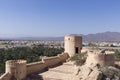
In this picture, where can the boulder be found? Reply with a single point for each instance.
(95, 75)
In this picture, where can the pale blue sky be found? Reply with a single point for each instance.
(58, 17)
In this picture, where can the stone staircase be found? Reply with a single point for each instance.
(62, 72)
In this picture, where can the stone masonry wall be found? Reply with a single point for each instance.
(106, 58)
(37, 66)
(46, 63)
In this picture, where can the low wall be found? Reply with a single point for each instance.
(51, 61)
(63, 57)
(5, 76)
(35, 67)
(39, 66)
(46, 63)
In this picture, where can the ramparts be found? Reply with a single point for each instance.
(101, 58)
(19, 69)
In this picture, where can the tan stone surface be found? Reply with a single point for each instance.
(16, 68)
(71, 42)
(63, 72)
(46, 62)
(95, 75)
(98, 57)
(19, 69)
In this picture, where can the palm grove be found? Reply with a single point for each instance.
(30, 54)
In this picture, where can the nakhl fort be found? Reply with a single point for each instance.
(19, 69)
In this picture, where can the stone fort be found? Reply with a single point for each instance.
(101, 57)
(19, 69)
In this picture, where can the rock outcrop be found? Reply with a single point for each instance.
(99, 65)
(95, 72)
(87, 73)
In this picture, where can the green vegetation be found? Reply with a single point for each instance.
(117, 55)
(91, 44)
(30, 54)
(110, 72)
(79, 58)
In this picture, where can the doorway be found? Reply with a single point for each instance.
(76, 49)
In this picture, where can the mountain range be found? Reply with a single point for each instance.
(104, 36)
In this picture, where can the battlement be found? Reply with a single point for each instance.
(15, 62)
(73, 38)
(101, 52)
(16, 68)
(95, 52)
(109, 52)
(19, 69)
(73, 45)
(101, 57)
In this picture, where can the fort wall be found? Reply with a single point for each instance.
(73, 44)
(16, 68)
(106, 58)
(51, 61)
(46, 63)
(35, 67)
(19, 69)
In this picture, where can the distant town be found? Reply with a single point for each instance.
(30, 43)
(53, 44)
(105, 39)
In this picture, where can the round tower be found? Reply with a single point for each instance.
(103, 59)
(73, 44)
(17, 68)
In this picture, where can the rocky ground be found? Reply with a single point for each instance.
(95, 72)
(68, 71)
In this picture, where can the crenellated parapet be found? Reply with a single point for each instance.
(16, 68)
(100, 57)
(19, 69)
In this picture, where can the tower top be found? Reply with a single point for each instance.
(74, 35)
(16, 61)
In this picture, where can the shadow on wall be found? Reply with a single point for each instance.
(19, 69)
(34, 77)
(46, 63)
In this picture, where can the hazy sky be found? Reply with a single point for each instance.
(58, 17)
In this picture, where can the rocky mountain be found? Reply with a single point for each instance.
(105, 36)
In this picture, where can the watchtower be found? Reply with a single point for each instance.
(73, 44)
(106, 58)
(16, 68)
